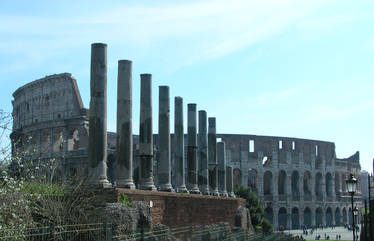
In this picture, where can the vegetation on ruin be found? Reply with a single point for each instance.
(259, 222)
(31, 192)
(125, 200)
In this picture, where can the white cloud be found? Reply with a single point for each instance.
(189, 31)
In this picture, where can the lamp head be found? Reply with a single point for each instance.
(351, 184)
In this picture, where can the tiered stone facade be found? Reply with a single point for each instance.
(300, 181)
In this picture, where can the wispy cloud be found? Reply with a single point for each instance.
(190, 31)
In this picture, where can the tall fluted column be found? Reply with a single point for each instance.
(145, 134)
(179, 181)
(221, 159)
(229, 181)
(124, 125)
(97, 141)
(192, 149)
(212, 155)
(164, 172)
(203, 153)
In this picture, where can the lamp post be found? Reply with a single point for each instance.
(355, 215)
(351, 186)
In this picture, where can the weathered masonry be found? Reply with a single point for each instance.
(300, 181)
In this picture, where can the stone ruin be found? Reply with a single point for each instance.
(211, 177)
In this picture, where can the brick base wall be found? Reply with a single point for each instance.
(177, 210)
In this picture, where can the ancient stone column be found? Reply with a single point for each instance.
(124, 125)
(221, 159)
(145, 134)
(212, 155)
(203, 153)
(163, 164)
(179, 181)
(97, 141)
(192, 149)
(229, 181)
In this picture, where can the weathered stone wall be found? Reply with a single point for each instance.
(179, 210)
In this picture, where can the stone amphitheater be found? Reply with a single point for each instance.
(300, 181)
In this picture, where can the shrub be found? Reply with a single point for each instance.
(255, 207)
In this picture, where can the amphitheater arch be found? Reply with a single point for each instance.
(237, 176)
(282, 183)
(329, 186)
(344, 186)
(35, 142)
(268, 183)
(252, 179)
(319, 214)
(337, 217)
(350, 215)
(344, 215)
(269, 214)
(329, 217)
(295, 183)
(318, 162)
(282, 218)
(318, 186)
(73, 140)
(295, 218)
(307, 217)
(337, 184)
(58, 141)
(307, 185)
(46, 142)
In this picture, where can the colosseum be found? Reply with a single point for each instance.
(301, 182)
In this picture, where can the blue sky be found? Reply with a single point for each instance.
(282, 68)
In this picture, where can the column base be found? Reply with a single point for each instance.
(98, 181)
(148, 187)
(166, 188)
(101, 185)
(223, 194)
(181, 189)
(125, 183)
(214, 193)
(193, 189)
(147, 184)
(204, 189)
(231, 194)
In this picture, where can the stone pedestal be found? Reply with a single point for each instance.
(212, 157)
(97, 140)
(124, 125)
(164, 173)
(179, 181)
(203, 153)
(145, 134)
(192, 150)
(221, 159)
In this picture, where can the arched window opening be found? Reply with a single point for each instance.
(252, 179)
(268, 183)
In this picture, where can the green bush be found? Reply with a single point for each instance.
(255, 207)
(266, 226)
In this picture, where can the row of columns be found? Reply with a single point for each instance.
(206, 176)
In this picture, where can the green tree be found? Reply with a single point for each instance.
(255, 208)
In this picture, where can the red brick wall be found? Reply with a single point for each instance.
(176, 210)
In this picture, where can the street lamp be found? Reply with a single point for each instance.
(351, 186)
(355, 213)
